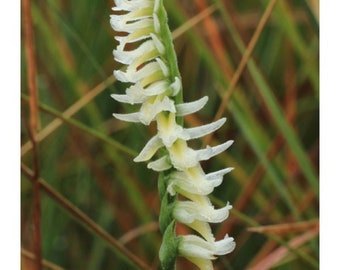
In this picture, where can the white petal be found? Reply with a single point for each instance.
(156, 6)
(224, 246)
(151, 108)
(191, 107)
(201, 131)
(121, 76)
(209, 152)
(121, 98)
(182, 157)
(168, 130)
(118, 24)
(149, 149)
(136, 94)
(181, 181)
(159, 165)
(131, 5)
(128, 57)
(203, 228)
(129, 117)
(218, 174)
(187, 212)
(195, 246)
(121, 20)
(158, 43)
(156, 88)
(134, 76)
(163, 66)
(156, 23)
(135, 36)
(176, 86)
(148, 74)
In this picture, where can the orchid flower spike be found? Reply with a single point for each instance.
(150, 70)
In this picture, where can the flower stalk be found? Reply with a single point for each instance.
(150, 68)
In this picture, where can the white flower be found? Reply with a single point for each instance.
(149, 110)
(127, 5)
(188, 211)
(168, 130)
(147, 51)
(198, 216)
(201, 252)
(204, 184)
(155, 105)
(183, 157)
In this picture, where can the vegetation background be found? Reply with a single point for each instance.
(86, 205)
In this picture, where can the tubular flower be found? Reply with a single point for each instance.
(150, 68)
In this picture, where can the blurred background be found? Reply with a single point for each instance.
(258, 61)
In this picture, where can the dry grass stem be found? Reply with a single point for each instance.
(81, 216)
(69, 112)
(246, 56)
(287, 227)
(25, 254)
(33, 125)
(280, 253)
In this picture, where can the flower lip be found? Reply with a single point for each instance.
(160, 164)
(169, 131)
(195, 246)
(149, 149)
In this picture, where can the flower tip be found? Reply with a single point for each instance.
(225, 246)
(223, 119)
(129, 117)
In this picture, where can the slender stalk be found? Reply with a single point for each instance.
(31, 64)
(30, 256)
(33, 126)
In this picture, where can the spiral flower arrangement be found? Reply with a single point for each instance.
(150, 68)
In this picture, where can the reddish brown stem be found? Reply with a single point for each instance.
(33, 124)
(85, 220)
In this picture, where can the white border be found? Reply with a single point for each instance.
(10, 135)
(329, 133)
